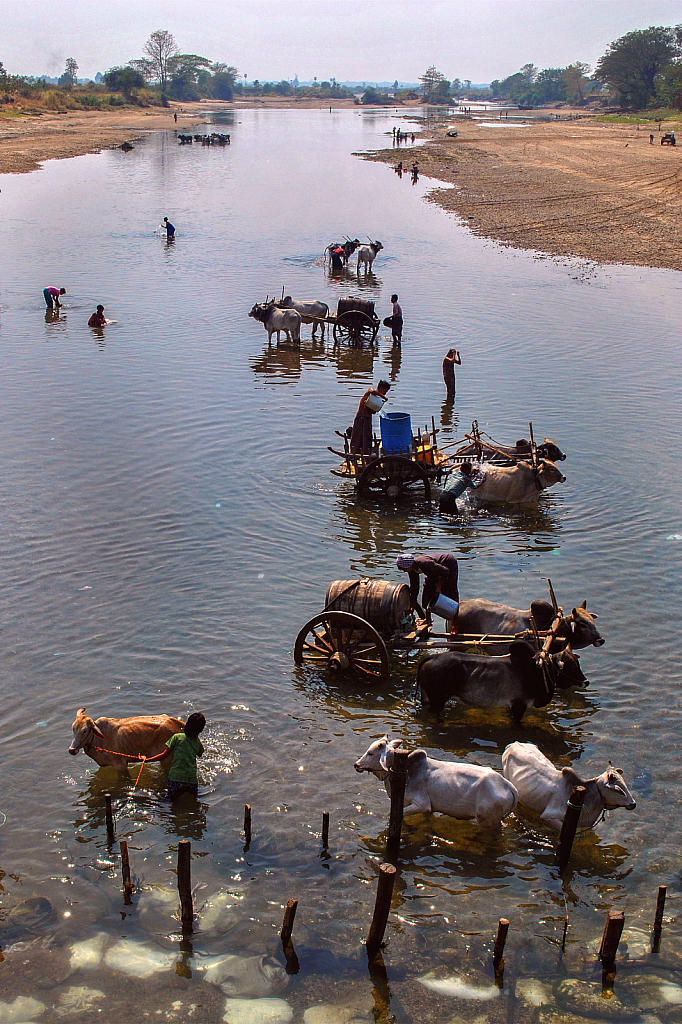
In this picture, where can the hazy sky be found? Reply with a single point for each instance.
(346, 39)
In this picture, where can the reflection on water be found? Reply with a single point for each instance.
(170, 523)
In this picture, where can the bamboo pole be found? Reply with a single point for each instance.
(658, 918)
(288, 922)
(185, 884)
(109, 817)
(398, 779)
(569, 825)
(382, 908)
(125, 871)
(247, 824)
(325, 829)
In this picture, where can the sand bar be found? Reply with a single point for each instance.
(585, 188)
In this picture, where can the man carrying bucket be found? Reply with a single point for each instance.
(441, 572)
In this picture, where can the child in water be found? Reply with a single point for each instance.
(184, 747)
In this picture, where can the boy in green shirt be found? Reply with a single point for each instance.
(184, 747)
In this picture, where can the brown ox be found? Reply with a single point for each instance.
(142, 734)
(519, 483)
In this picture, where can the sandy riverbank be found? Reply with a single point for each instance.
(594, 190)
(29, 139)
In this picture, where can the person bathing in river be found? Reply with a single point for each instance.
(441, 571)
(361, 435)
(52, 295)
(451, 360)
(97, 319)
(184, 747)
(170, 228)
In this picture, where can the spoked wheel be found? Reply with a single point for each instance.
(342, 642)
(355, 327)
(393, 477)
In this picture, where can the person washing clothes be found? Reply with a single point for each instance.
(441, 572)
(170, 228)
(184, 747)
(52, 296)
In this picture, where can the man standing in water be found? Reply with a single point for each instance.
(441, 571)
(51, 296)
(361, 435)
(170, 228)
(395, 322)
(451, 360)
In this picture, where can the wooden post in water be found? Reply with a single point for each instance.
(109, 816)
(382, 908)
(185, 884)
(500, 939)
(325, 829)
(658, 919)
(398, 777)
(569, 825)
(288, 922)
(125, 872)
(613, 929)
(247, 824)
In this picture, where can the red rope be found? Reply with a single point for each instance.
(131, 757)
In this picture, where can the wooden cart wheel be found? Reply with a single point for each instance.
(392, 477)
(355, 327)
(342, 642)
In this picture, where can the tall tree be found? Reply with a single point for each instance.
(159, 51)
(631, 63)
(576, 81)
(431, 82)
(70, 76)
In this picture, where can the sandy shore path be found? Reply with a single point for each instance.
(588, 189)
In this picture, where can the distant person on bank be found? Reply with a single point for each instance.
(97, 319)
(361, 434)
(51, 296)
(184, 747)
(451, 360)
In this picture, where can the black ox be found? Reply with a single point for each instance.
(515, 681)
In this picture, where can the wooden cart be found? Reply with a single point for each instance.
(395, 475)
(355, 322)
(363, 618)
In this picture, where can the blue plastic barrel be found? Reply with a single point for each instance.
(396, 432)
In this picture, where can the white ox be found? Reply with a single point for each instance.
(275, 320)
(310, 312)
(459, 790)
(367, 255)
(545, 790)
(520, 483)
(127, 737)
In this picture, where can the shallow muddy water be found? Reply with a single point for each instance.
(169, 523)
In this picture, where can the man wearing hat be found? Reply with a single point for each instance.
(441, 571)
(361, 436)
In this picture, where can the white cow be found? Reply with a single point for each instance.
(367, 255)
(544, 789)
(275, 320)
(459, 790)
(310, 312)
(520, 483)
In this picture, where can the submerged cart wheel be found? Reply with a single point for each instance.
(342, 642)
(393, 477)
(354, 327)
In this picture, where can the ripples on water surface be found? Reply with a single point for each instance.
(169, 523)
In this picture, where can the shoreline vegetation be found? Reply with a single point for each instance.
(592, 188)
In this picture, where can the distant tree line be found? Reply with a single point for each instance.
(642, 69)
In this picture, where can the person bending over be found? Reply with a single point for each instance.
(441, 572)
(51, 296)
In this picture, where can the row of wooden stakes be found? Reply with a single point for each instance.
(613, 927)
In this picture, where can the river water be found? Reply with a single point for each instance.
(169, 523)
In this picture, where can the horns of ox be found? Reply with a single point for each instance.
(81, 711)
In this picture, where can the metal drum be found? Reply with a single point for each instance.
(352, 302)
(384, 605)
